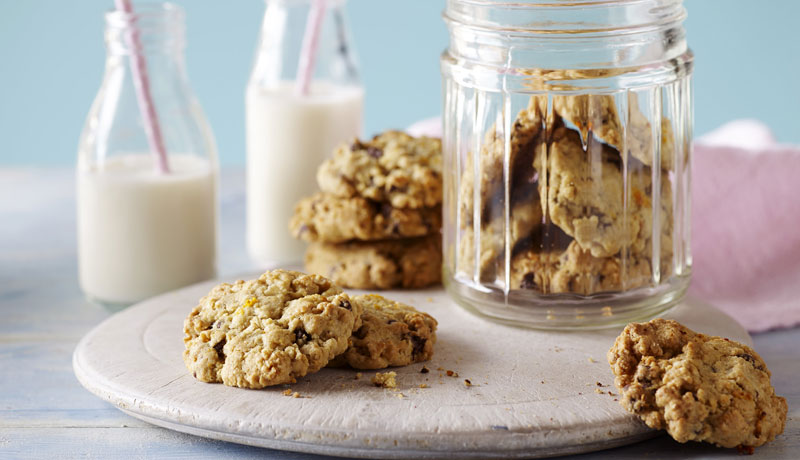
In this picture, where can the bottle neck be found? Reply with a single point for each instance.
(159, 28)
(281, 44)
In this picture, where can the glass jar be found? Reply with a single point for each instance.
(145, 226)
(289, 132)
(567, 143)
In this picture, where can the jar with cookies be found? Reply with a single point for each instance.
(566, 150)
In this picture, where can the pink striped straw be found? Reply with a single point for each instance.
(142, 84)
(308, 53)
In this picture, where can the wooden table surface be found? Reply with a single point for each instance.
(45, 413)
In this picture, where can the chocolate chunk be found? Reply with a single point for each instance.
(360, 333)
(301, 336)
(356, 145)
(527, 282)
(219, 346)
(417, 344)
(386, 210)
(346, 305)
(374, 152)
(749, 358)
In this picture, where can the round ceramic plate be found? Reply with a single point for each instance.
(532, 393)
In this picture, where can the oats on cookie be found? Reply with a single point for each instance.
(391, 334)
(407, 263)
(697, 387)
(332, 219)
(268, 331)
(392, 167)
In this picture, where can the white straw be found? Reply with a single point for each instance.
(142, 85)
(308, 53)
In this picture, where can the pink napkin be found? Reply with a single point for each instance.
(745, 223)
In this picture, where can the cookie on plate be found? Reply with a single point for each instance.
(407, 263)
(697, 387)
(391, 334)
(393, 167)
(333, 219)
(268, 331)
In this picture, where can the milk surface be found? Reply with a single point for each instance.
(288, 137)
(141, 233)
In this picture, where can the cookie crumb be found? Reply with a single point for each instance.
(592, 360)
(745, 450)
(467, 383)
(599, 384)
(287, 392)
(451, 373)
(358, 376)
(296, 395)
(399, 395)
(440, 368)
(424, 370)
(385, 379)
(599, 391)
(430, 299)
(422, 385)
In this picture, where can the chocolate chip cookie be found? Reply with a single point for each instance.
(597, 114)
(697, 387)
(393, 167)
(268, 331)
(391, 334)
(407, 263)
(333, 219)
(587, 196)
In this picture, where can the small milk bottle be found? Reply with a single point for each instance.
(147, 223)
(291, 132)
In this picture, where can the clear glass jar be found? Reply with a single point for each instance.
(567, 142)
(144, 229)
(290, 133)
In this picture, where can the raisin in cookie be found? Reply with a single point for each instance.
(697, 387)
(332, 219)
(268, 331)
(587, 198)
(391, 334)
(393, 167)
(407, 263)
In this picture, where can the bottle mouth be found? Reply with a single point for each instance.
(564, 18)
(160, 25)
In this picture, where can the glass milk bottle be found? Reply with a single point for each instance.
(289, 133)
(146, 223)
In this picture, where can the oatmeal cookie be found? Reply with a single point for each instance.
(268, 331)
(391, 334)
(407, 263)
(597, 114)
(393, 167)
(333, 219)
(586, 198)
(697, 387)
(575, 270)
(526, 140)
(524, 219)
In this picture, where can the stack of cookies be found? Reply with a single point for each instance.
(376, 224)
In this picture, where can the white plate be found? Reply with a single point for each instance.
(534, 393)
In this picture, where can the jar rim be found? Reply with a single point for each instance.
(564, 18)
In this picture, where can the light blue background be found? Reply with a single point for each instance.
(51, 64)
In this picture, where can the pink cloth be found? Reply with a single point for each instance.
(745, 223)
